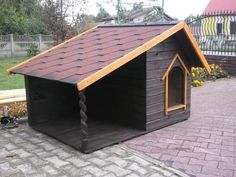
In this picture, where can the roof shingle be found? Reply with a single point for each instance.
(89, 53)
(220, 7)
(92, 55)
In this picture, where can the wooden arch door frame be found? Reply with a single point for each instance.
(166, 78)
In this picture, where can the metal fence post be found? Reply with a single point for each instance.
(40, 42)
(12, 44)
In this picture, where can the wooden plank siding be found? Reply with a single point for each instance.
(120, 97)
(158, 60)
(50, 100)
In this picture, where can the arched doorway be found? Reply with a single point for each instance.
(176, 87)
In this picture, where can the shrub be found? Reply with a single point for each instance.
(17, 109)
(216, 72)
(32, 50)
(199, 75)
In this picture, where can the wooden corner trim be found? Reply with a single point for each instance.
(128, 57)
(176, 57)
(10, 70)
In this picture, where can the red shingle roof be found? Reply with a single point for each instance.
(84, 56)
(88, 57)
(220, 7)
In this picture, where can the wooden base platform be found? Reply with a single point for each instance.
(11, 96)
(101, 133)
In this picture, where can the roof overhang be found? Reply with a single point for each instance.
(81, 85)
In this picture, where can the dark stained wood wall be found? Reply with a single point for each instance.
(48, 100)
(120, 97)
(158, 60)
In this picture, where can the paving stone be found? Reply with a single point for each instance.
(136, 168)
(28, 146)
(35, 140)
(109, 175)
(226, 153)
(156, 175)
(15, 175)
(95, 170)
(163, 172)
(98, 162)
(224, 147)
(47, 146)
(140, 161)
(23, 134)
(37, 175)
(37, 161)
(117, 170)
(78, 162)
(7, 170)
(18, 140)
(196, 155)
(10, 146)
(50, 170)
(132, 175)
(189, 167)
(119, 151)
(207, 150)
(212, 164)
(21, 153)
(185, 138)
(4, 153)
(27, 169)
(88, 175)
(71, 170)
(118, 161)
(15, 161)
(217, 172)
(227, 166)
(43, 154)
(210, 157)
(56, 161)
(61, 153)
(7, 135)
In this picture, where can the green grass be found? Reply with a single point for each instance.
(14, 81)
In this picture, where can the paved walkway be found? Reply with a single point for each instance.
(204, 145)
(28, 153)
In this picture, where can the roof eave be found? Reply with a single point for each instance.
(11, 70)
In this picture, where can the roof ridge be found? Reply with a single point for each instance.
(139, 24)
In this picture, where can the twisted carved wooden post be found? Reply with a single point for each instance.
(83, 121)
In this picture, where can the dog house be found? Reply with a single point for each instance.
(112, 83)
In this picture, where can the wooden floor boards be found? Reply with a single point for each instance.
(101, 134)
